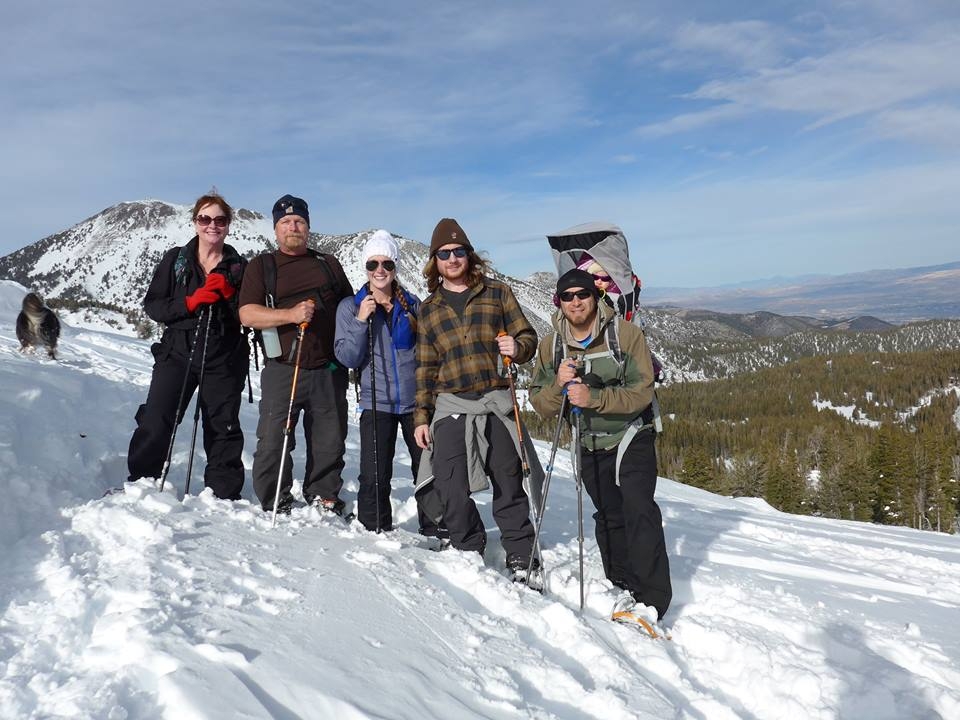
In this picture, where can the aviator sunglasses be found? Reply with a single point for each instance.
(219, 221)
(569, 295)
(460, 252)
(388, 265)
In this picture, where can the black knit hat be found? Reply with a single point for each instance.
(446, 232)
(290, 205)
(577, 278)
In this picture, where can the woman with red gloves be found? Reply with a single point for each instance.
(193, 294)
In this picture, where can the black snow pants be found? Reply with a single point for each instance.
(387, 424)
(628, 522)
(511, 507)
(220, 398)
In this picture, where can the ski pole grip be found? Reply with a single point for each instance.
(506, 358)
(303, 326)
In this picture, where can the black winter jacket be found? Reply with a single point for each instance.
(178, 275)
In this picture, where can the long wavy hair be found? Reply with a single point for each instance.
(476, 269)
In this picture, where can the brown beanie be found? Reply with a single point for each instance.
(446, 232)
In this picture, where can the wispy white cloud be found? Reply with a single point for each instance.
(868, 78)
(744, 43)
(848, 82)
(937, 125)
(696, 120)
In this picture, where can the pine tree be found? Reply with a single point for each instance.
(699, 470)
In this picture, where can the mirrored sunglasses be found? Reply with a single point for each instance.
(388, 265)
(569, 295)
(460, 252)
(219, 221)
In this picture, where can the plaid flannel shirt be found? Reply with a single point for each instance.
(455, 356)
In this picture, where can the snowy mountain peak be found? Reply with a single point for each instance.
(109, 258)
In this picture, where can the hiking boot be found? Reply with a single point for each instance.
(438, 531)
(335, 506)
(517, 565)
(285, 508)
(625, 603)
(284, 505)
(627, 611)
(516, 561)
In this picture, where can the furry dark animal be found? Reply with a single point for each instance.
(37, 325)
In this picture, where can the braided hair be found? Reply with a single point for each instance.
(402, 299)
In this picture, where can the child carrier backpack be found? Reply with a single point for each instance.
(579, 246)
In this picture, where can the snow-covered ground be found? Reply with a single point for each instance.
(850, 412)
(138, 606)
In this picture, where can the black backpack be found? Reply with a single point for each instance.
(327, 294)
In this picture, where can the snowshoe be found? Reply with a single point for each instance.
(627, 611)
(517, 564)
(334, 506)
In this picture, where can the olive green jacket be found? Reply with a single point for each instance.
(614, 407)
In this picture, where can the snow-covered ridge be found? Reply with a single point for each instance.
(139, 606)
(110, 257)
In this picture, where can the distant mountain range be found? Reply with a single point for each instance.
(109, 259)
(920, 293)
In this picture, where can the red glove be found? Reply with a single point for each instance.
(214, 289)
(218, 283)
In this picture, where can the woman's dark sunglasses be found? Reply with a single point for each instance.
(602, 278)
(388, 265)
(459, 252)
(569, 295)
(219, 221)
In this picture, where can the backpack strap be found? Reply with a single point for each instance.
(330, 289)
(557, 351)
(613, 347)
(269, 278)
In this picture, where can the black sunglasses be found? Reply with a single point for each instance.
(388, 265)
(460, 252)
(569, 295)
(219, 221)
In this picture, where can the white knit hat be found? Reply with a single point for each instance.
(381, 243)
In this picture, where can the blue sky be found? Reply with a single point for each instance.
(730, 140)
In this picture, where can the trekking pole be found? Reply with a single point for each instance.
(287, 429)
(180, 408)
(524, 464)
(373, 412)
(511, 372)
(546, 484)
(578, 475)
(196, 412)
